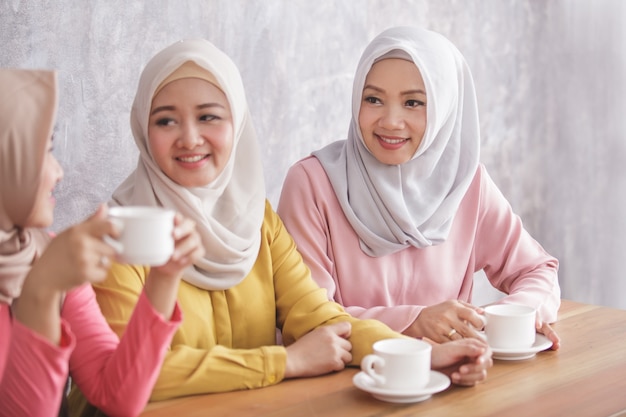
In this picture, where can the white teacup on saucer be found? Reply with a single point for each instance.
(510, 326)
(398, 364)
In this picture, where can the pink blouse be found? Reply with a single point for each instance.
(485, 234)
(115, 376)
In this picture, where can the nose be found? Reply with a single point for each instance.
(392, 118)
(189, 136)
(59, 169)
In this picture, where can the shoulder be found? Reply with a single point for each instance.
(271, 220)
(309, 166)
(478, 183)
(308, 173)
(485, 185)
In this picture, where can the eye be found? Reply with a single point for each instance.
(164, 121)
(415, 103)
(209, 117)
(372, 100)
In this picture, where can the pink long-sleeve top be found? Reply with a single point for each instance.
(485, 235)
(115, 375)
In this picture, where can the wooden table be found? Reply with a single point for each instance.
(586, 377)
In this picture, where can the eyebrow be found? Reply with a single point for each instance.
(404, 93)
(172, 108)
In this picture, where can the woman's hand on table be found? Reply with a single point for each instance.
(466, 361)
(446, 321)
(546, 330)
(323, 350)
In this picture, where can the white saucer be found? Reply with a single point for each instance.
(438, 382)
(541, 343)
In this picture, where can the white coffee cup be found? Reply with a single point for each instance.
(399, 364)
(510, 326)
(146, 234)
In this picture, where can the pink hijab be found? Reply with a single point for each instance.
(27, 114)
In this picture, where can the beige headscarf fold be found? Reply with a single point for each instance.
(229, 211)
(392, 207)
(28, 102)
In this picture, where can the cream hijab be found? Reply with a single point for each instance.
(229, 211)
(392, 207)
(27, 114)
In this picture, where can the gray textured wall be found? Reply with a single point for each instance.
(550, 79)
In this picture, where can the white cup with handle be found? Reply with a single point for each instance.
(399, 364)
(145, 234)
(510, 326)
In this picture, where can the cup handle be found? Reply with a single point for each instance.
(116, 244)
(369, 364)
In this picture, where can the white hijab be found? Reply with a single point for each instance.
(392, 207)
(229, 211)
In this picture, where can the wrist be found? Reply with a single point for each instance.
(162, 290)
(38, 297)
(40, 310)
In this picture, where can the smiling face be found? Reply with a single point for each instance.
(392, 117)
(42, 213)
(190, 131)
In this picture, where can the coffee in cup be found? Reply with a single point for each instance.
(145, 234)
(399, 364)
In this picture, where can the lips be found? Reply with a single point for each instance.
(391, 142)
(190, 159)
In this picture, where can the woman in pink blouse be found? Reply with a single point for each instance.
(395, 220)
(50, 323)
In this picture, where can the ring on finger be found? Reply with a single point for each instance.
(103, 262)
(451, 333)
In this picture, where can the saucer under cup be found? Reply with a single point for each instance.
(510, 326)
(437, 382)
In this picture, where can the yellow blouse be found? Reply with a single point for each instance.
(227, 340)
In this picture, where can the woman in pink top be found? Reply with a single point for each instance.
(50, 323)
(395, 220)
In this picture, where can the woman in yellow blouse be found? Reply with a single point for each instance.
(199, 155)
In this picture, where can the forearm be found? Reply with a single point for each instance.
(190, 371)
(40, 310)
(541, 291)
(36, 372)
(162, 291)
(398, 318)
(128, 368)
